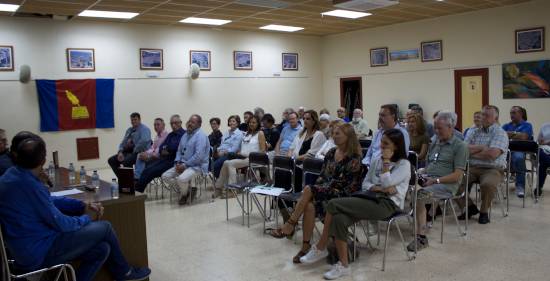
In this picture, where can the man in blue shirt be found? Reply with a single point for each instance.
(288, 134)
(5, 158)
(41, 230)
(167, 154)
(137, 139)
(519, 129)
(387, 118)
(191, 157)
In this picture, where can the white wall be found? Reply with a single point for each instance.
(220, 92)
(473, 40)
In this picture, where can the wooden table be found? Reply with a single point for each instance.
(126, 214)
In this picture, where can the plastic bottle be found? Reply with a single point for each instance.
(95, 180)
(72, 174)
(51, 171)
(114, 189)
(83, 180)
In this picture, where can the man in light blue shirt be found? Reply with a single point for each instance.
(387, 118)
(191, 158)
(288, 134)
(137, 139)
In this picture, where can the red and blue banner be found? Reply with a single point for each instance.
(75, 104)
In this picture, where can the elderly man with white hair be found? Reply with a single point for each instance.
(446, 162)
(359, 124)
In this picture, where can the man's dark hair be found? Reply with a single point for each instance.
(215, 119)
(397, 138)
(248, 113)
(523, 112)
(159, 119)
(392, 109)
(135, 115)
(17, 139)
(31, 153)
(268, 118)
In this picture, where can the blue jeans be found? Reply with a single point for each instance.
(217, 166)
(518, 166)
(544, 163)
(93, 245)
(140, 166)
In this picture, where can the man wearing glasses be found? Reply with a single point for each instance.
(5, 159)
(446, 157)
(167, 153)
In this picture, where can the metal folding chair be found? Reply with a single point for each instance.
(530, 148)
(62, 271)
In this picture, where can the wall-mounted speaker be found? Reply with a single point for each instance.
(25, 73)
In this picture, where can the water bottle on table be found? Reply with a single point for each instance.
(72, 174)
(114, 189)
(95, 180)
(51, 171)
(83, 180)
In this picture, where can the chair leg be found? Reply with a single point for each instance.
(386, 244)
(355, 239)
(443, 219)
(402, 239)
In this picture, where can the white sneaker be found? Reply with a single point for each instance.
(314, 255)
(337, 271)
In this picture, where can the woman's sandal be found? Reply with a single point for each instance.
(302, 252)
(278, 233)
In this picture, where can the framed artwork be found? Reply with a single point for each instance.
(202, 58)
(410, 54)
(530, 40)
(80, 59)
(290, 61)
(431, 51)
(526, 80)
(150, 59)
(379, 57)
(242, 60)
(6, 58)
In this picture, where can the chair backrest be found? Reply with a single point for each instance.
(283, 172)
(312, 166)
(4, 265)
(283, 163)
(413, 158)
(528, 146)
(365, 143)
(258, 158)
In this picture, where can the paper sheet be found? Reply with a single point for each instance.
(267, 190)
(67, 192)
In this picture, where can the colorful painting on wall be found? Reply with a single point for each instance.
(526, 80)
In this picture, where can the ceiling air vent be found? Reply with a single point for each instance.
(273, 4)
(363, 5)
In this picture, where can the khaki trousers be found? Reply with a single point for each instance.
(488, 179)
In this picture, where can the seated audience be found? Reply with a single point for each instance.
(215, 138)
(253, 141)
(387, 119)
(153, 153)
(477, 123)
(301, 110)
(418, 137)
(246, 116)
(518, 129)
(284, 119)
(456, 132)
(137, 139)
(5, 158)
(324, 120)
(340, 177)
(544, 160)
(259, 112)
(167, 153)
(288, 134)
(360, 125)
(271, 132)
(324, 111)
(445, 168)
(487, 148)
(329, 144)
(429, 127)
(388, 178)
(41, 230)
(231, 142)
(342, 114)
(191, 158)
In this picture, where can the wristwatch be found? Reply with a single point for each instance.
(437, 181)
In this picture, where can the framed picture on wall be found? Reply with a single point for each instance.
(290, 61)
(242, 60)
(80, 59)
(431, 50)
(530, 40)
(6, 58)
(202, 58)
(150, 59)
(379, 57)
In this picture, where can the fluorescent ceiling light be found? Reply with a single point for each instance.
(204, 21)
(277, 27)
(107, 14)
(8, 7)
(346, 14)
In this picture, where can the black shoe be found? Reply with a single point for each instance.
(484, 218)
(193, 193)
(472, 211)
(538, 192)
(183, 200)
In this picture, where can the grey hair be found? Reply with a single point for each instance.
(289, 110)
(449, 117)
(175, 116)
(259, 110)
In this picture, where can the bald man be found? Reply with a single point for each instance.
(342, 114)
(359, 124)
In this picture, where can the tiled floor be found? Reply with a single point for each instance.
(197, 243)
